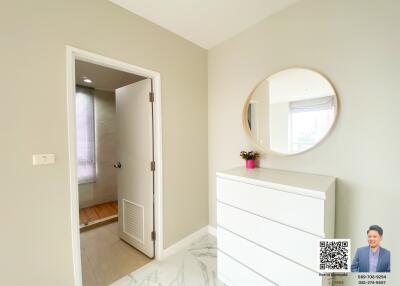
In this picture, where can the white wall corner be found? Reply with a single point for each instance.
(188, 240)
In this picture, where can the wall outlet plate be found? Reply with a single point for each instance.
(43, 159)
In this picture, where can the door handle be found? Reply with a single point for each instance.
(118, 166)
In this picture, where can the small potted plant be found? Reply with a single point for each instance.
(250, 158)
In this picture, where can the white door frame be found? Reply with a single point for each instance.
(78, 54)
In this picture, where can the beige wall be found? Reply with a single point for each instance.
(104, 189)
(356, 45)
(36, 246)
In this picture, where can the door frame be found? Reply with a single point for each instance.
(73, 54)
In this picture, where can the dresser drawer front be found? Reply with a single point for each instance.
(266, 263)
(232, 273)
(298, 211)
(271, 235)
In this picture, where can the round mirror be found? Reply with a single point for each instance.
(290, 112)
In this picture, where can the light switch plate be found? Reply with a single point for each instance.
(43, 159)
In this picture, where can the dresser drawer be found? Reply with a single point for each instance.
(266, 263)
(295, 210)
(296, 245)
(233, 273)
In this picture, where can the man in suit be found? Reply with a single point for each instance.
(372, 258)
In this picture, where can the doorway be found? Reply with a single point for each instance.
(129, 211)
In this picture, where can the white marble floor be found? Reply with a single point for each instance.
(194, 266)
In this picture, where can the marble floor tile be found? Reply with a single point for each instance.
(194, 266)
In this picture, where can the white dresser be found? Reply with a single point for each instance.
(269, 223)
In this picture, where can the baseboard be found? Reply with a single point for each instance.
(212, 230)
(188, 240)
(97, 223)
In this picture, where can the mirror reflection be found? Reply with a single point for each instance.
(291, 111)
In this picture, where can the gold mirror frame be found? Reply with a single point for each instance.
(264, 150)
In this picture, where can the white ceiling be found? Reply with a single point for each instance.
(205, 22)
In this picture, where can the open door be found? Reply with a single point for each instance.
(135, 167)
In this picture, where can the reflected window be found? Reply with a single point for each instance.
(309, 122)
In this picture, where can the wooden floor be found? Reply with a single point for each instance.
(97, 212)
(106, 258)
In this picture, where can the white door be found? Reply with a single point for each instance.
(135, 154)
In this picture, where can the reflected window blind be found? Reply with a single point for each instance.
(314, 104)
(85, 135)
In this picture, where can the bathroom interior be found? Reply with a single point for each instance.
(105, 255)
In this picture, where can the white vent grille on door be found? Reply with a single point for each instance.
(133, 220)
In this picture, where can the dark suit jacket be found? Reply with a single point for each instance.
(361, 260)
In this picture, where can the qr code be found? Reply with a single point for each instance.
(334, 255)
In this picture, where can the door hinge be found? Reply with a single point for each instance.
(153, 166)
(153, 235)
(151, 96)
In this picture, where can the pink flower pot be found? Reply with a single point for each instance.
(250, 164)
